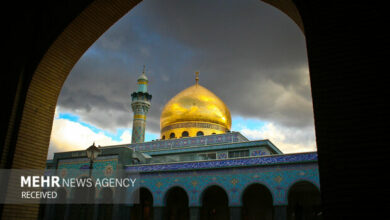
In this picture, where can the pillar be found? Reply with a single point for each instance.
(158, 213)
(280, 212)
(194, 213)
(235, 212)
(121, 211)
(48, 211)
(95, 211)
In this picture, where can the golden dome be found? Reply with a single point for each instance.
(195, 109)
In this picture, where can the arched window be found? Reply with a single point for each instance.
(213, 133)
(200, 133)
(172, 135)
(163, 137)
(185, 134)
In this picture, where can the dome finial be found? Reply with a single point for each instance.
(197, 77)
(143, 71)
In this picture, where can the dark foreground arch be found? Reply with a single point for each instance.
(45, 40)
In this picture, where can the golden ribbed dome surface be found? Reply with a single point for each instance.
(198, 105)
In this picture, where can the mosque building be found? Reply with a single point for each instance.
(198, 169)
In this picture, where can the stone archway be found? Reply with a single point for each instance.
(215, 204)
(31, 109)
(342, 42)
(176, 208)
(257, 203)
(54, 67)
(304, 202)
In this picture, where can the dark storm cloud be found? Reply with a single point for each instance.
(248, 53)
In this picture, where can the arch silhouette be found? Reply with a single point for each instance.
(29, 120)
(258, 182)
(304, 201)
(176, 202)
(54, 67)
(205, 187)
(302, 180)
(185, 134)
(215, 203)
(144, 208)
(33, 117)
(257, 202)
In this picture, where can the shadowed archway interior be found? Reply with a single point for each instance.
(176, 204)
(215, 204)
(257, 203)
(144, 209)
(304, 202)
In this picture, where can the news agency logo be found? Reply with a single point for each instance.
(56, 182)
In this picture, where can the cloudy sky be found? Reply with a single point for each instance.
(248, 53)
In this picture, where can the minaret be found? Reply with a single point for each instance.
(140, 103)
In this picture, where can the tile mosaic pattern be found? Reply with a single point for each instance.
(104, 166)
(266, 160)
(222, 155)
(138, 131)
(278, 179)
(216, 147)
(258, 153)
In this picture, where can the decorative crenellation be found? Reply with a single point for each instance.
(222, 155)
(255, 153)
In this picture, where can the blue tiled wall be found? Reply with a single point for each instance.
(277, 173)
